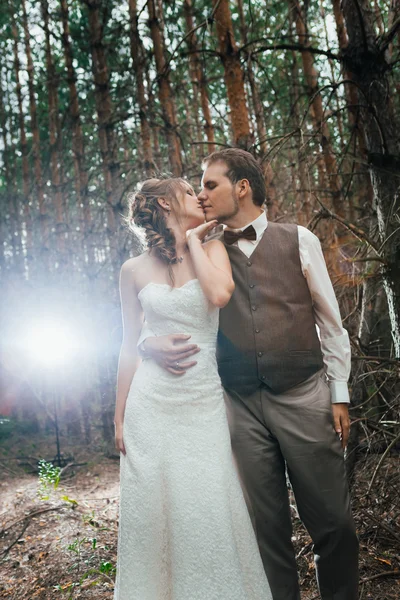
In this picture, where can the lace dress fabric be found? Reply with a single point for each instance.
(184, 529)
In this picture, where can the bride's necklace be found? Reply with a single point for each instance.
(180, 258)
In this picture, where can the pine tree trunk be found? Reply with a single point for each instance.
(43, 215)
(155, 128)
(23, 140)
(272, 204)
(311, 77)
(11, 204)
(192, 166)
(198, 77)
(193, 73)
(104, 107)
(255, 92)
(164, 88)
(353, 111)
(138, 62)
(303, 196)
(339, 118)
(394, 12)
(55, 137)
(366, 61)
(233, 75)
(351, 91)
(78, 146)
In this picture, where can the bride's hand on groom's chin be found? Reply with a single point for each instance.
(200, 232)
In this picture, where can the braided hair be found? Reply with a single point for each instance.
(145, 212)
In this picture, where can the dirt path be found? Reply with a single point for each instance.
(65, 547)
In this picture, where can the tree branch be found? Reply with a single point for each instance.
(299, 48)
(388, 37)
(325, 213)
(378, 466)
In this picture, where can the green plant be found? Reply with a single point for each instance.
(49, 478)
(87, 564)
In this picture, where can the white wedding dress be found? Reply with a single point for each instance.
(184, 529)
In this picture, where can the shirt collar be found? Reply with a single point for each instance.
(260, 225)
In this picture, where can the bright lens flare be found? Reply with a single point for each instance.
(50, 344)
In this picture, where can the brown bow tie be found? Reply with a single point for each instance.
(230, 237)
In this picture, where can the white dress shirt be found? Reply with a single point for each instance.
(335, 344)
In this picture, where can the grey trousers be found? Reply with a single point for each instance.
(294, 430)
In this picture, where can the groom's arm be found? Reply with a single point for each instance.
(335, 343)
(167, 350)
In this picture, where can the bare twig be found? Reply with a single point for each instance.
(325, 213)
(387, 38)
(33, 514)
(384, 526)
(384, 455)
(8, 469)
(7, 550)
(204, 23)
(72, 464)
(382, 359)
(394, 573)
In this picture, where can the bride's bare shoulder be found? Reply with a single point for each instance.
(136, 271)
(134, 264)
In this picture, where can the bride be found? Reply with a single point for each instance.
(184, 530)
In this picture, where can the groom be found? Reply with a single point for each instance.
(287, 396)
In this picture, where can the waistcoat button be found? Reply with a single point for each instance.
(249, 263)
(254, 308)
(251, 285)
(257, 330)
(262, 376)
(260, 353)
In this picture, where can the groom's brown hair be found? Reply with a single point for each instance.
(241, 165)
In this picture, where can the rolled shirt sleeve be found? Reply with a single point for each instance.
(144, 334)
(335, 343)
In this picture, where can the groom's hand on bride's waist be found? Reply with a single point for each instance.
(171, 352)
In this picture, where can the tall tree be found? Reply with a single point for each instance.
(36, 146)
(104, 107)
(353, 112)
(164, 87)
(233, 74)
(139, 65)
(321, 125)
(23, 138)
(366, 60)
(78, 145)
(254, 87)
(198, 76)
(54, 136)
(12, 205)
(302, 196)
(261, 137)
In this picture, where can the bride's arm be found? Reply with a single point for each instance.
(129, 359)
(212, 266)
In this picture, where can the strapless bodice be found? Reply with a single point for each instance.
(182, 309)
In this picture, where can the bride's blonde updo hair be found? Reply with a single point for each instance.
(145, 212)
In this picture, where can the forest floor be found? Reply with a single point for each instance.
(64, 546)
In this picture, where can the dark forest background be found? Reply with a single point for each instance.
(96, 95)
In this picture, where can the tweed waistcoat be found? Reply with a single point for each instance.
(267, 333)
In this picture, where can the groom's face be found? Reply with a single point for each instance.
(218, 195)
